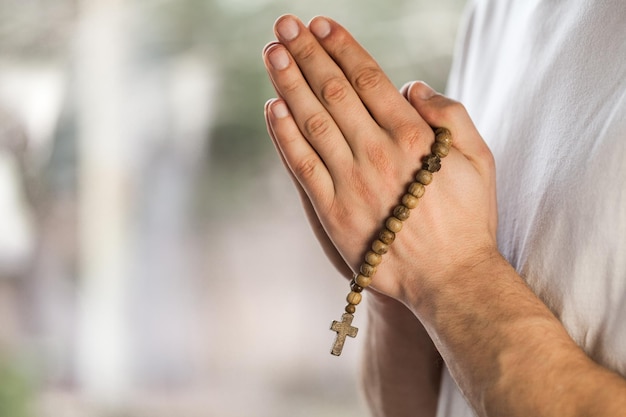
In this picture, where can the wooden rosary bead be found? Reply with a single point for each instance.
(401, 213)
(393, 224)
(380, 247)
(387, 236)
(417, 189)
(354, 298)
(363, 281)
(443, 135)
(373, 258)
(367, 269)
(440, 149)
(424, 177)
(431, 163)
(410, 201)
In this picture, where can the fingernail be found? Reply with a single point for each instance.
(288, 29)
(279, 109)
(279, 59)
(320, 27)
(405, 89)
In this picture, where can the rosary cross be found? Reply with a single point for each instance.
(343, 328)
(430, 164)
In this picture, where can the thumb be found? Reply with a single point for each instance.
(440, 111)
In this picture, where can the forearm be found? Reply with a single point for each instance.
(402, 369)
(507, 351)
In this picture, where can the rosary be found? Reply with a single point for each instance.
(430, 164)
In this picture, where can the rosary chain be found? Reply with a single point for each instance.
(393, 224)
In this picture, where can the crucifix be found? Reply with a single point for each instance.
(343, 328)
(373, 257)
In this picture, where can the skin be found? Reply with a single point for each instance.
(352, 143)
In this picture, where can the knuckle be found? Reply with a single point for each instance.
(343, 44)
(290, 86)
(317, 125)
(488, 159)
(306, 169)
(453, 110)
(334, 90)
(343, 216)
(368, 78)
(305, 52)
(379, 160)
(414, 136)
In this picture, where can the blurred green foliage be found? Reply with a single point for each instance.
(16, 391)
(230, 34)
(240, 149)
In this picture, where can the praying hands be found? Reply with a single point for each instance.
(352, 144)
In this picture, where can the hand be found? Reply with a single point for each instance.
(327, 245)
(353, 143)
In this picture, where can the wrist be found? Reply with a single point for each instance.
(394, 321)
(394, 326)
(455, 281)
(387, 309)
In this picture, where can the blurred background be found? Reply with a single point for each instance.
(154, 259)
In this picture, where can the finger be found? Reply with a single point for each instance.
(377, 92)
(404, 90)
(265, 49)
(318, 230)
(440, 111)
(312, 119)
(301, 159)
(326, 80)
(306, 202)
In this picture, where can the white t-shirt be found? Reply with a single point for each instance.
(545, 83)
